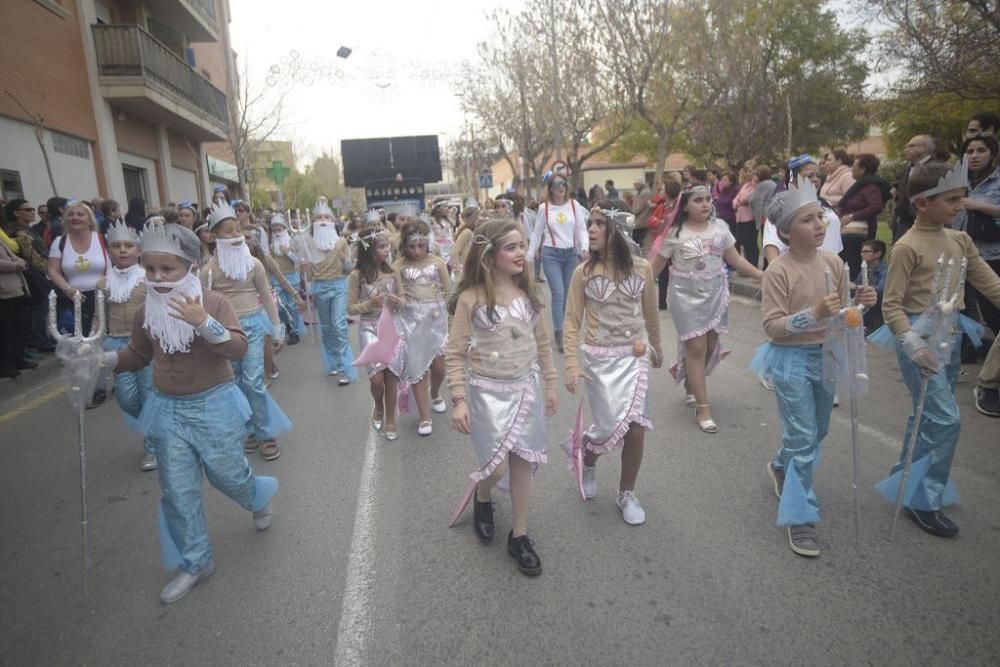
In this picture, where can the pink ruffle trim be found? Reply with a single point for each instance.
(507, 444)
(633, 416)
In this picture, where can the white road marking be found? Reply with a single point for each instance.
(355, 610)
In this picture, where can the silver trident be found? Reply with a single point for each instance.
(938, 326)
(82, 346)
(300, 228)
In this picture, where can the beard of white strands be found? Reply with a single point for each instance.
(235, 260)
(122, 282)
(280, 243)
(325, 235)
(172, 334)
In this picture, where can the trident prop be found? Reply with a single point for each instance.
(81, 347)
(301, 230)
(938, 326)
(851, 370)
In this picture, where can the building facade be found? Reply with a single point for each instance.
(130, 98)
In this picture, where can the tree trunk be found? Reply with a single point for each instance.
(663, 136)
(788, 121)
(40, 136)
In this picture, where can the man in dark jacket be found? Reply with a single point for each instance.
(919, 150)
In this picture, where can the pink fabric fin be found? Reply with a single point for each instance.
(381, 350)
(464, 502)
(576, 450)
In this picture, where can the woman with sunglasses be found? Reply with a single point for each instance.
(561, 234)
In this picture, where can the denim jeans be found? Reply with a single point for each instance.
(558, 264)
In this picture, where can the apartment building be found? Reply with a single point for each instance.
(131, 96)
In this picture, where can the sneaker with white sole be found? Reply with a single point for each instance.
(148, 462)
(262, 517)
(836, 401)
(439, 406)
(803, 540)
(182, 584)
(632, 511)
(589, 481)
(765, 383)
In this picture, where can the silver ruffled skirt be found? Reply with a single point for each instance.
(617, 382)
(367, 334)
(699, 303)
(423, 332)
(506, 416)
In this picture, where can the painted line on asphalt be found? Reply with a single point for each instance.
(31, 404)
(355, 610)
(895, 443)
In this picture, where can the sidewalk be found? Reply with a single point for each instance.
(29, 383)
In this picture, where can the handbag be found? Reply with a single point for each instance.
(39, 285)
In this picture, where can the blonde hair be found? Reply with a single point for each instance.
(90, 213)
(478, 270)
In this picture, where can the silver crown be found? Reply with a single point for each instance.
(321, 207)
(956, 179)
(157, 237)
(221, 211)
(279, 219)
(782, 207)
(121, 232)
(371, 215)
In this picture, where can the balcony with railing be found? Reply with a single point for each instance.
(139, 73)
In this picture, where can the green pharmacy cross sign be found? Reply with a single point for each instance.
(278, 172)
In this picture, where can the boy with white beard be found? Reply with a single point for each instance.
(287, 256)
(242, 279)
(196, 414)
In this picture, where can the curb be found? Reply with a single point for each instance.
(29, 383)
(745, 287)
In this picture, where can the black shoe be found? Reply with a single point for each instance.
(293, 339)
(521, 550)
(9, 373)
(98, 399)
(934, 522)
(987, 401)
(482, 520)
(26, 365)
(662, 306)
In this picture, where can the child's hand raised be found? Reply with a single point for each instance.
(189, 309)
(828, 306)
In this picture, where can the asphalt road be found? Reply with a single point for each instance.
(360, 568)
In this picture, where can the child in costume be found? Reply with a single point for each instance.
(124, 284)
(287, 256)
(370, 286)
(699, 246)
(196, 415)
(421, 317)
(463, 237)
(612, 319)
(796, 306)
(242, 279)
(498, 353)
(937, 195)
(328, 261)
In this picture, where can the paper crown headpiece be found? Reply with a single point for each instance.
(781, 210)
(321, 207)
(278, 219)
(119, 232)
(800, 160)
(371, 215)
(957, 178)
(220, 212)
(170, 239)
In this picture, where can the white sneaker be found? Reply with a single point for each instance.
(182, 584)
(148, 462)
(836, 401)
(275, 375)
(262, 517)
(439, 406)
(425, 428)
(589, 481)
(767, 384)
(632, 511)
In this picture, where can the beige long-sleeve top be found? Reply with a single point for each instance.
(426, 280)
(502, 348)
(790, 285)
(121, 315)
(460, 249)
(246, 296)
(604, 309)
(204, 366)
(328, 264)
(360, 293)
(274, 270)
(911, 270)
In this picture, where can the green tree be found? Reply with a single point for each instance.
(943, 116)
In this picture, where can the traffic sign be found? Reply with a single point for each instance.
(485, 179)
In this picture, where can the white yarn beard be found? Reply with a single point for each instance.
(325, 235)
(280, 243)
(235, 261)
(173, 334)
(122, 282)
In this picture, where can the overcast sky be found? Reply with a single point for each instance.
(379, 90)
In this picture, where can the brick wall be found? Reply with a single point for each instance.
(43, 64)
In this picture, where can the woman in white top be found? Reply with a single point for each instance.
(77, 261)
(560, 233)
